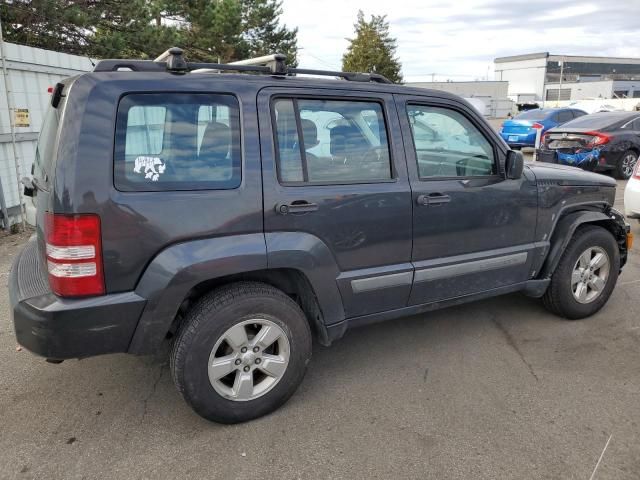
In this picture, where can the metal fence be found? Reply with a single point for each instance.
(23, 101)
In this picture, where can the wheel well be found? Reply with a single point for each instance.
(292, 282)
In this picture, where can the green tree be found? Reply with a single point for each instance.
(62, 26)
(209, 30)
(373, 49)
(262, 33)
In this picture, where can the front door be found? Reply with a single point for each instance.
(336, 193)
(473, 228)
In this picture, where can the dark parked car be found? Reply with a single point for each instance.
(236, 216)
(521, 130)
(600, 142)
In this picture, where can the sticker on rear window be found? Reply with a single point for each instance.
(151, 167)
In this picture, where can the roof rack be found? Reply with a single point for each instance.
(173, 61)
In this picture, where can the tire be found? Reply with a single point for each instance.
(241, 307)
(560, 297)
(626, 163)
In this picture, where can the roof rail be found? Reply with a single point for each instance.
(173, 61)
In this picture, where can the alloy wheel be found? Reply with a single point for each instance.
(249, 359)
(590, 274)
(628, 164)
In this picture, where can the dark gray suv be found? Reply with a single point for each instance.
(239, 211)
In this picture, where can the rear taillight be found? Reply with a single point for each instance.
(543, 139)
(74, 255)
(598, 138)
(537, 126)
(636, 171)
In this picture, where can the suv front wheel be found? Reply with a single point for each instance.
(241, 352)
(586, 274)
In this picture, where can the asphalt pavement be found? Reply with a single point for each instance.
(498, 389)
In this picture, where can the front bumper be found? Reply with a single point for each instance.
(61, 328)
(632, 198)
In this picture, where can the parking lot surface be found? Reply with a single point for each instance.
(493, 389)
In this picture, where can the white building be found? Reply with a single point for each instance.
(531, 76)
(31, 71)
(585, 90)
(492, 94)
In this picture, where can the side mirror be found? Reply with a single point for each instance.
(513, 165)
(29, 187)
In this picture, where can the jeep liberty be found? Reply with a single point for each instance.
(238, 211)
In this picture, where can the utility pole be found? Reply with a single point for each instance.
(11, 111)
(561, 75)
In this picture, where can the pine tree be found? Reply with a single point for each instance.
(262, 33)
(373, 49)
(208, 30)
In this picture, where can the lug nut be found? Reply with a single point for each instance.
(258, 360)
(243, 349)
(246, 369)
(256, 349)
(238, 361)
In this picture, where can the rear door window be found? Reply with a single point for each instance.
(331, 141)
(565, 116)
(177, 142)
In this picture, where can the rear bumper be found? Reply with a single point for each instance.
(523, 140)
(60, 328)
(587, 161)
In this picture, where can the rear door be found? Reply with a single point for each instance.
(473, 229)
(335, 178)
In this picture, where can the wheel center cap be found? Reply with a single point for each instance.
(248, 358)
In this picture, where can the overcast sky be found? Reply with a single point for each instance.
(459, 39)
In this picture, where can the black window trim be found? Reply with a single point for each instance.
(188, 187)
(449, 106)
(297, 96)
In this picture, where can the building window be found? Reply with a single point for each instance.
(552, 94)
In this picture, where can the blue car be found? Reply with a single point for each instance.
(521, 130)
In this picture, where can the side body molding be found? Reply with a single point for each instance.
(177, 269)
(311, 256)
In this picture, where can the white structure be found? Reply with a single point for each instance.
(584, 90)
(493, 94)
(530, 76)
(31, 72)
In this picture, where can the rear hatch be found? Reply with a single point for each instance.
(573, 141)
(44, 167)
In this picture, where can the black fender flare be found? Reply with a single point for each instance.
(566, 227)
(177, 269)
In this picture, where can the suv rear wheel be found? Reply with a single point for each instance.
(241, 352)
(586, 274)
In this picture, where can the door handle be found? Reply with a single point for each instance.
(299, 206)
(435, 198)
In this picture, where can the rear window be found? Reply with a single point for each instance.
(45, 150)
(177, 142)
(598, 121)
(533, 115)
